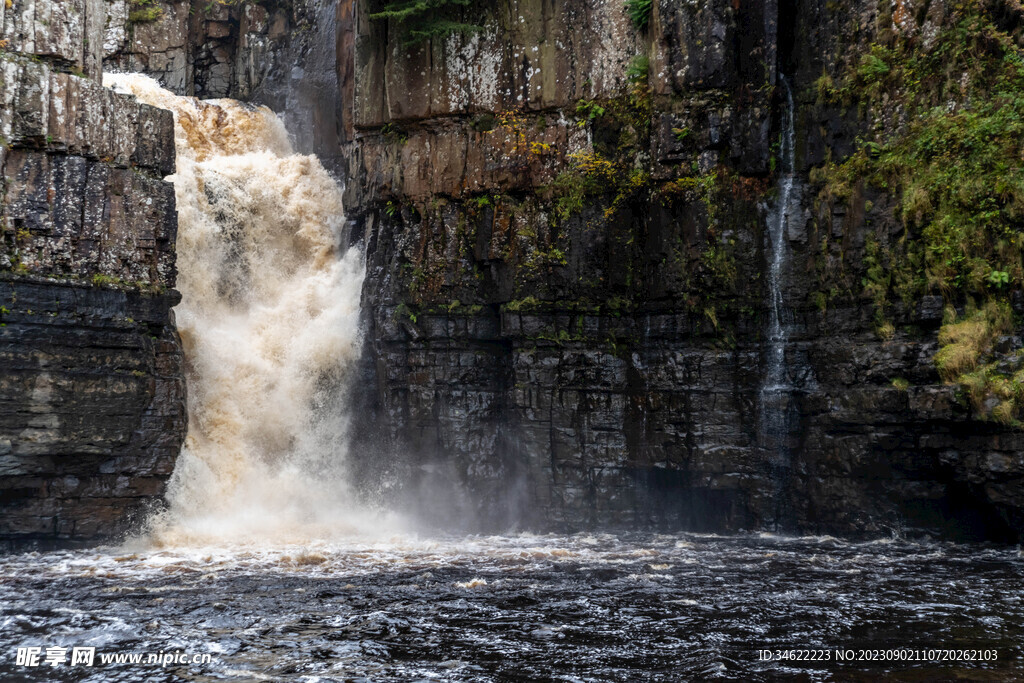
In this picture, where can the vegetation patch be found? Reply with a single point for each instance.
(420, 20)
(973, 355)
(621, 127)
(639, 12)
(954, 164)
(947, 148)
(144, 11)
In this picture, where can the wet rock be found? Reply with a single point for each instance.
(536, 394)
(646, 415)
(92, 410)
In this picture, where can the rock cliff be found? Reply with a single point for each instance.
(565, 216)
(92, 396)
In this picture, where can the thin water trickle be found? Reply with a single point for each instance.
(776, 393)
(776, 379)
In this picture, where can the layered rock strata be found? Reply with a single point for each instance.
(92, 395)
(565, 217)
(579, 344)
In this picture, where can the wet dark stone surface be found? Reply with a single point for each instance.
(92, 409)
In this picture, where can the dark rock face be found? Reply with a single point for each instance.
(92, 395)
(92, 408)
(599, 369)
(562, 359)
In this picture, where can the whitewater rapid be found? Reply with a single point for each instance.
(269, 322)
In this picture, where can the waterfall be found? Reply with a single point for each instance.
(776, 379)
(269, 326)
(776, 385)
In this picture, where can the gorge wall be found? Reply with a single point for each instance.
(92, 395)
(565, 219)
(565, 216)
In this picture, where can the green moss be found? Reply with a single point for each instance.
(956, 169)
(101, 280)
(525, 304)
(144, 11)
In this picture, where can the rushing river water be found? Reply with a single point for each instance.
(577, 608)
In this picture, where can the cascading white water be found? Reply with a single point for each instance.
(776, 386)
(269, 324)
(775, 375)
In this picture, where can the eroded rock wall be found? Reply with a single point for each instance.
(565, 223)
(92, 395)
(574, 344)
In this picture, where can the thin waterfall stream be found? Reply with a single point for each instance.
(776, 379)
(776, 383)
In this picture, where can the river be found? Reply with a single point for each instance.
(588, 607)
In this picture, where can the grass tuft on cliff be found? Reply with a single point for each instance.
(144, 11)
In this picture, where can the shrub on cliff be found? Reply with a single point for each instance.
(421, 20)
(639, 12)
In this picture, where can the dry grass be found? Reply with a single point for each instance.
(963, 343)
(966, 358)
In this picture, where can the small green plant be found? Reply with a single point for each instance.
(901, 384)
(639, 12)
(404, 311)
(681, 134)
(393, 134)
(820, 301)
(998, 278)
(144, 11)
(638, 69)
(420, 20)
(872, 66)
(588, 110)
